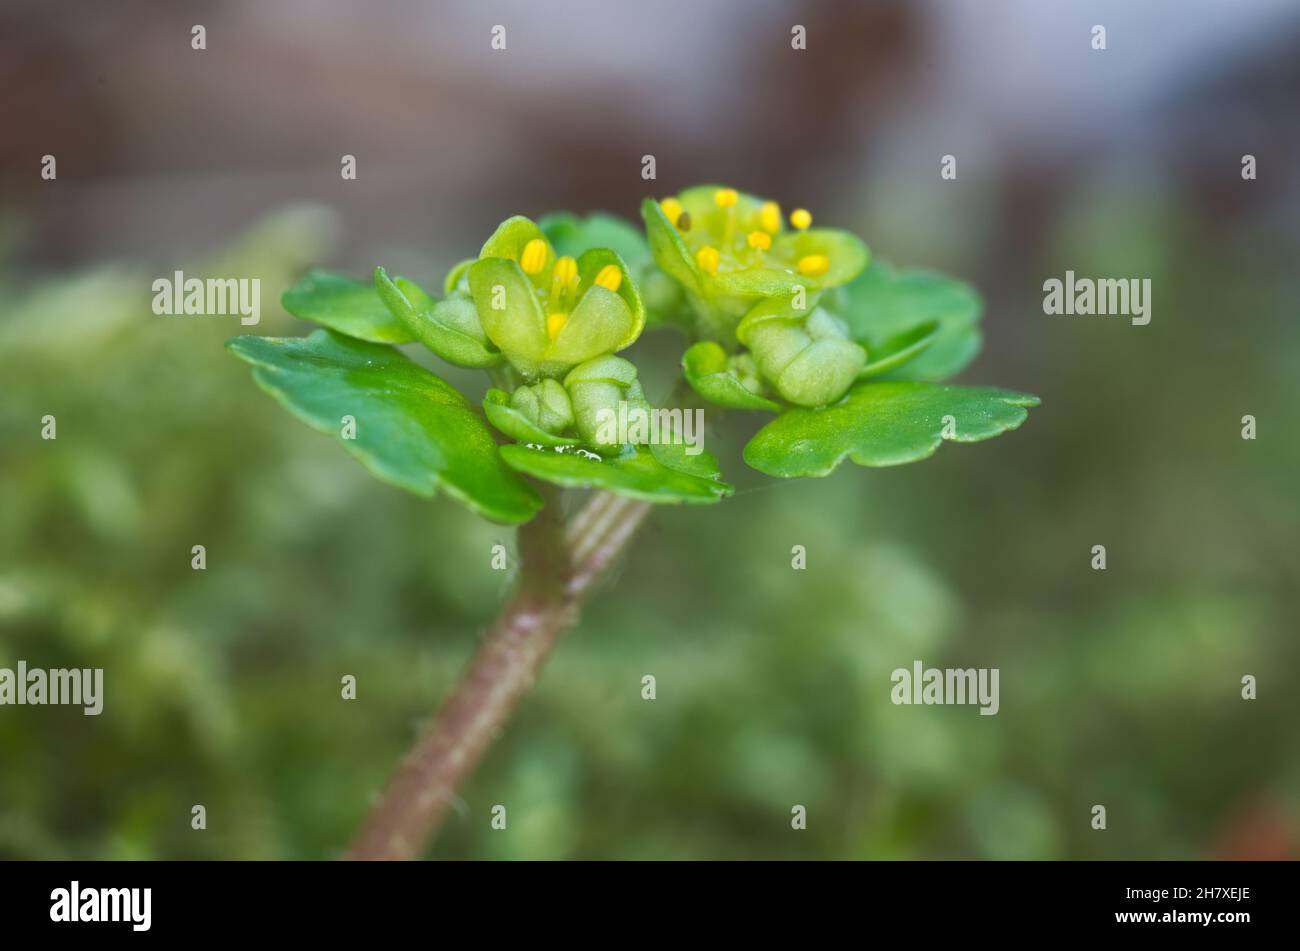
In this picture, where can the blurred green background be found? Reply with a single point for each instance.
(1119, 687)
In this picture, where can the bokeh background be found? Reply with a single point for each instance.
(1119, 687)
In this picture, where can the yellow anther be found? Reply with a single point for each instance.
(813, 265)
(672, 209)
(759, 239)
(610, 277)
(769, 217)
(800, 218)
(725, 197)
(555, 323)
(566, 271)
(533, 258)
(707, 258)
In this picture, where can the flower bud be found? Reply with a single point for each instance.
(596, 389)
(545, 404)
(809, 360)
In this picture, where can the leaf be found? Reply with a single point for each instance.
(349, 306)
(896, 351)
(885, 302)
(636, 473)
(448, 327)
(883, 424)
(705, 368)
(413, 430)
(496, 404)
(572, 235)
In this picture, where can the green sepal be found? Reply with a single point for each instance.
(846, 254)
(669, 250)
(449, 327)
(412, 429)
(344, 304)
(457, 279)
(883, 424)
(518, 326)
(705, 368)
(636, 472)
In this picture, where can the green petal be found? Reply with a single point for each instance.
(344, 304)
(496, 404)
(518, 326)
(572, 235)
(449, 328)
(845, 252)
(705, 368)
(413, 430)
(884, 303)
(752, 283)
(895, 351)
(636, 473)
(883, 424)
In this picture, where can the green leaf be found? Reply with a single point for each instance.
(344, 304)
(706, 370)
(413, 430)
(572, 235)
(636, 473)
(883, 424)
(884, 303)
(496, 404)
(449, 328)
(894, 352)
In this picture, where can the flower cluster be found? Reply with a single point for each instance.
(554, 320)
(783, 318)
(754, 278)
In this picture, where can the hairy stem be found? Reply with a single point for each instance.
(560, 563)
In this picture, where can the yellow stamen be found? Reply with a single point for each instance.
(555, 323)
(672, 209)
(566, 271)
(769, 217)
(533, 258)
(813, 265)
(725, 197)
(801, 218)
(759, 239)
(707, 258)
(610, 277)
